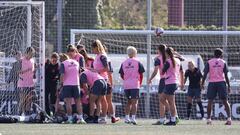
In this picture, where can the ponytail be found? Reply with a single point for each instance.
(170, 52)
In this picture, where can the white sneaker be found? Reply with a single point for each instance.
(81, 121)
(209, 122)
(127, 121)
(102, 121)
(133, 121)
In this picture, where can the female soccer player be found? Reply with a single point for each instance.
(98, 89)
(88, 60)
(172, 70)
(26, 82)
(51, 79)
(217, 69)
(101, 65)
(131, 72)
(158, 63)
(69, 79)
(73, 54)
(194, 89)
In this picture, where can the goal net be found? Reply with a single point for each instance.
(197, 46)
(21, 26)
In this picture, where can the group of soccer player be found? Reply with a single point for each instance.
(82, 80)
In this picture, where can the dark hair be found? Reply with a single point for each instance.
(84, 53)
(30, 50)
(170, 52)
(218, 52)
(80, 47)
(55, 55)
(71, 48)
(162, 49)
(16, 53)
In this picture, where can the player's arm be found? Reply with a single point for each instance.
(186, 76)
(83, 82)
(225, 70)
(81, 62)
(201, 77)
(155, 71)
(62, 71)
(141, 70)
(205, 72)
(121, 72)
(110, 73)
(181, 77)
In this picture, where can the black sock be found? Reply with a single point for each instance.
(201, 108)
(189, 109)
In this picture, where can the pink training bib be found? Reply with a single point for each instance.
(216, 66)
(131, 74)
(172, 73)
(26, 78)
(97, 64)
(92, 77)
(71, 72)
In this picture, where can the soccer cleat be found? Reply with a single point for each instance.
(187, 118)
(209, 122)
(102, 121)
(171, 123)
(177, 120)
(229, 122)
(127, 121)
(134, 122)
(115, 119)
(158, 123)
(81, 121)
(68, 122)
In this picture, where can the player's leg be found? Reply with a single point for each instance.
(211, 95)
(77, 97)
(223, 95)
(189, 102)
(21, 101)
(199, 101)
(134, 104)
(29, 100)
(111, 110)
(92, 103)
(128, 106)
(67, 93)
(169, 93)
(47, 103)
(53, 98)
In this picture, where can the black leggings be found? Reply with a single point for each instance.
(50, 97)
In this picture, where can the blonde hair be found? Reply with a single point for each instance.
(63, 57)
(131, 51)
(100, 48)
(192, 62)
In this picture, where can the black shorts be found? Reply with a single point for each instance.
(194, 92)
(217, 88)
(161, 85)
(170, 89)
(99, 88)
(71, 92)
(132, 93)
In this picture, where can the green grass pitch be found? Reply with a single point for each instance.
(144, 127)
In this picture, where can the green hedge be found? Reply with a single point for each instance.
(197, 28)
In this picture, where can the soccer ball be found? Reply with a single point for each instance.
(159, 32)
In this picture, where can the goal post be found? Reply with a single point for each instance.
(196, 46)
(22, 24)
